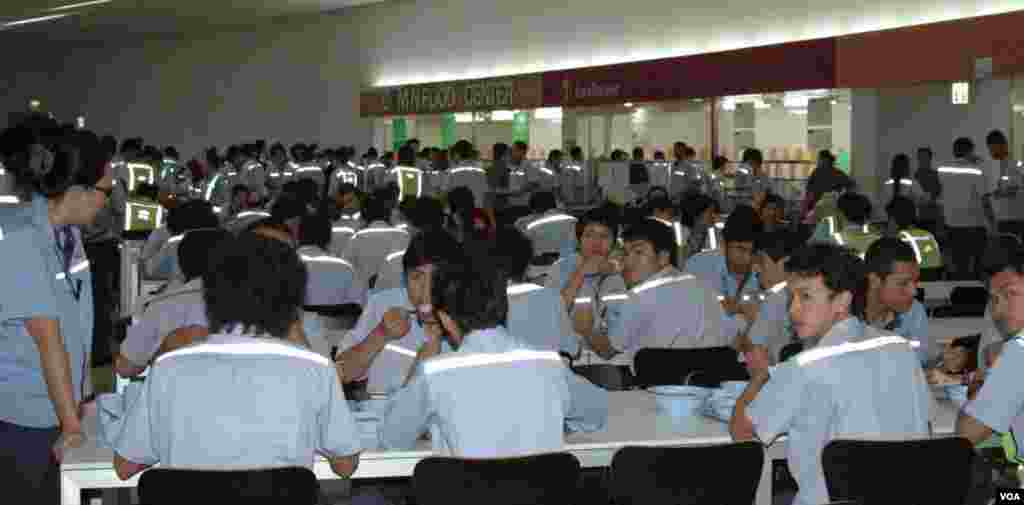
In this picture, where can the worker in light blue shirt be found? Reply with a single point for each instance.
(332, 280)
(536, 313)
(462, 397)
(46, 310)
(892, 275)
(730, 271)
(253, 395)
(382, 346)
(771, 327)
(854, 382)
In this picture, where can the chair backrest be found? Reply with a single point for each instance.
(933, 471)
(542, 479)
(166, 486)
(707, 366)
(651, 475)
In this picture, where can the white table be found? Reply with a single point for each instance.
(632, 421)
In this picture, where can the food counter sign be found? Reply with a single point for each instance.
(489, 95)
(425, 99)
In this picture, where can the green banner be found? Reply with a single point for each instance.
(447, 130)
(521, 127)
(844, 161)
(399, 133)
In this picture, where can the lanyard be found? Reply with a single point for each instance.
(64, 255)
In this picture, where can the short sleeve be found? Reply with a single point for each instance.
(778, 403)
(915, 326)
(143, 339)
(625, 321)
(570, 342)
(1001, 398)
(24, 267)
(368, 320)
(407, 418)
(336, 425)
(136, 442)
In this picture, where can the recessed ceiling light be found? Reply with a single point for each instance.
(627, 104)
(39, 19)
(77, 5)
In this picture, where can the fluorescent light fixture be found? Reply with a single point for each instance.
(761, 104)
(503, 115)
(1018, 107)
(77, 5)
(29, 21)
(548, 113)
(798, 112)
(795, 101)
(34, 104)
(961, 93)
(835, 102)
(627, 104)
(463, 117)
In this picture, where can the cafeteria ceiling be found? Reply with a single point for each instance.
(104, 20)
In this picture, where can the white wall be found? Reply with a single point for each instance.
(290, 85)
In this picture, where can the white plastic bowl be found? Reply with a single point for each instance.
(680, 401)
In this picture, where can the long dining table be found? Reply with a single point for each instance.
(633, 420)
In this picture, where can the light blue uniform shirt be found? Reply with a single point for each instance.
(711, 267)
(391, 366)
(539, 315)
(913, 326)
(857, 383)
(38, 286)
(1000, 402)
(773, 328)
(493, 397)
(238, 402)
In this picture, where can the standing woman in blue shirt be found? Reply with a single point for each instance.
(46, 310)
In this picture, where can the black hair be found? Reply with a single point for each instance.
(278, 147)
(500, 149)
(718, 163)
(900, 169)
(196, 248)
(902, 211)
(659, 235)
(131, 144)
(315, 230)
(378, 207)
(542, 201)
(346, 188)
(472, 292)
(855, 206)
(428, 214)
(406, 155)
(743, 225)
(56, 177)
(371, 152)
(926, 149)
(841, 270)
(693, 206)
(606, 215)
(638, 153)
(751, 155)
(660, 203)
(519, 144)
(191, 215)
(773, 200)
(269, 302)
(576, 152)
(996, 137)
(171, 152)
(883, 254)
(288, 206)
(778, 244)
(555, 154)
(962, 147)
(511, 251)
(430, 247)
(239, 188)
(1003, 254)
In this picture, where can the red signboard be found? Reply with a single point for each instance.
(791, 66)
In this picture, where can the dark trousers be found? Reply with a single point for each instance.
(28, 470)
(105, 266)
(966, 245)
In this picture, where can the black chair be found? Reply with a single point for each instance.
(544, 479)
(165, 486)
(706, 367)
(933, 471)
(714, 475)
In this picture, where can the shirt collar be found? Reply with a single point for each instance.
(850, 329)
(495, 339)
